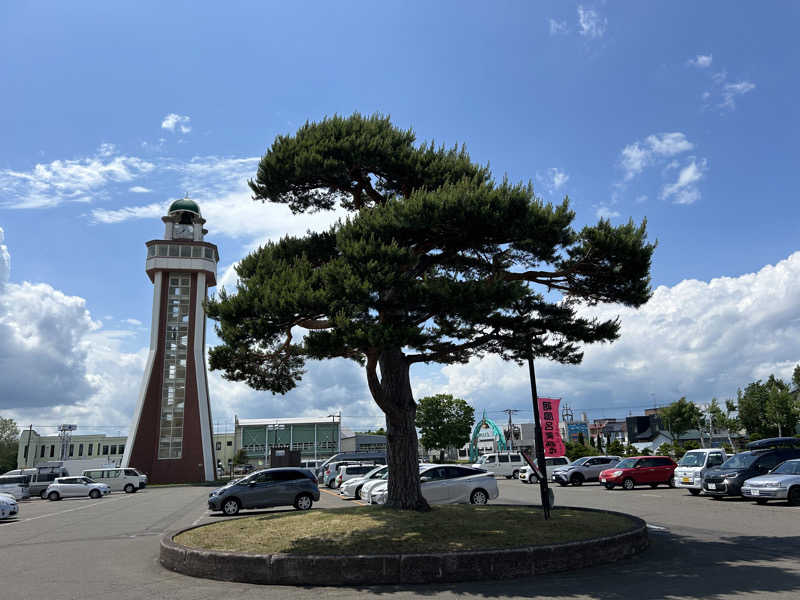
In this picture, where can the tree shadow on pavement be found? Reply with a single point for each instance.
(674, 565)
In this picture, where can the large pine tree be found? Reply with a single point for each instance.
(436, 262)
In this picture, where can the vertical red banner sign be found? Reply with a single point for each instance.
(551, 436)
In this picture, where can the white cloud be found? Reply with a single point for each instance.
(696, 339)
(701, 61)
(138, 189)
(149, 211)
(558, 27)
(134, 322)
(684, 190)
(79, 180)
(731, 90)
(175, 121)
(638, 155)
(5, 261)
(553, 179)
(592, 25)
(604, 212)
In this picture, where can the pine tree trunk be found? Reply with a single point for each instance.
(398, 404)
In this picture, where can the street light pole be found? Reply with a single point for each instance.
(537, 433)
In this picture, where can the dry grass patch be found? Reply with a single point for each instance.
(377, 530)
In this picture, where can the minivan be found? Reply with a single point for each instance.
(507, 464)
(694, 464)
(16, 485)
(119, 479)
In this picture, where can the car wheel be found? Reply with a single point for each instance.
(129, 489)
(358, 493)
(576, 479)
(671, 482)
(94, 494)
(303, 502)
(628, 483)
(793, 497)
(478, 497)
(53, 496)
(609, 486)
(231, 507)
(43, 494)
(694, 492)
(515, 474)
(761, 501)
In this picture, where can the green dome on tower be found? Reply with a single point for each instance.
(184, 204)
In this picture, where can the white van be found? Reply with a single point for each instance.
(690, 469)
(507, 464)
(16, 485)
(118, 479)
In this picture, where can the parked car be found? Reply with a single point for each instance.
(8, 506)
(17, 486)
(366, 489)
(528, 475)
(782, 483)
(760, 458)
(449, 484)
(69, 487)
(583, 469)
(694, 464)
(507, 464)
(640, 470)
(41, 476)
(348, 472)
(279, 486)
(352, 458)
(119, 479)
(352, 487)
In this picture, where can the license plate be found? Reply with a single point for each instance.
(602, 480)
(712, 486)
(686, 480)
(754, 492)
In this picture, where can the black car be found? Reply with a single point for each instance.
(761, 457)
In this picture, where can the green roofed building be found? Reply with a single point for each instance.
(315, 437)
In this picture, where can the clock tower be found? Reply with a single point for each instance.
(171, 438)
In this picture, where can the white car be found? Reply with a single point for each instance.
(8, 506)
(449, 484)
(507, 464)
(352, 487)
(368, 486)
(782, 483)
(691, 468)
(69, 487)
(526, 474)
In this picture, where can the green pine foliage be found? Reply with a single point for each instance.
(435, 262)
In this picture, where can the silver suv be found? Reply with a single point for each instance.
(584, 469)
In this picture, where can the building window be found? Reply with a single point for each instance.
(229, 443)
(197, 252)
(219, 446)
(41, 454)
(173, 392)
(186, 251)
(71, 449)
(113, 449)
(151, 251)
(52, 450)
(174, 251)
(162, 250)
(209, 254)
(90, 448)
(121, 449)
(80, 449)
(105, 449)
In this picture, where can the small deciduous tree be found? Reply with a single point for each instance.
(681, 416)
(444, 422)
(9, 439)
(435, 263)
(615, 448)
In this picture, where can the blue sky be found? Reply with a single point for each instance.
(683, 113)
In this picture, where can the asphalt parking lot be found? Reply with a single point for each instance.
(700, 548)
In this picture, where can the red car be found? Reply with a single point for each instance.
(640, 470)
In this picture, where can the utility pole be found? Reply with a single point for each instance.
(509, 412)
(28, 446)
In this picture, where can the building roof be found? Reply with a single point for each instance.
(184, 204)
(287, 421)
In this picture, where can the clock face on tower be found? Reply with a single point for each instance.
(183, 232)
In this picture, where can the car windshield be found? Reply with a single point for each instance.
(790, 467)
(482, 460)
(627, 463)
(580, 461)
(692, 459)
(740, 461)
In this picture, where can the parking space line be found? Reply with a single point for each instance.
(339, 496)
(61, 512)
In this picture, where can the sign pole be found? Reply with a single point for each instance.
(537, 432)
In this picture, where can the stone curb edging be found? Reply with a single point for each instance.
(438, 567)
